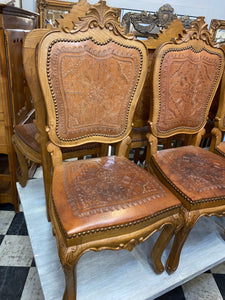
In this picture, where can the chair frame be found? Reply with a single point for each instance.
(198, 37)
(124, 236)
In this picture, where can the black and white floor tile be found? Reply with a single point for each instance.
(18, 274)
(19, 277)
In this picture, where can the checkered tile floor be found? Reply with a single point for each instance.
(19, 278)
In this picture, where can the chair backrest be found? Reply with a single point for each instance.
(29, 59)
(220, 115)
(186, 74)
(91, 78)
(172, 30)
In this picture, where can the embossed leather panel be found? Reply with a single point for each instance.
(92, 85)
(186, 82)
(106, 191)
(197, 173)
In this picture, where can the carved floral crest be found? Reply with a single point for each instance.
(99, 15)
(197, 31)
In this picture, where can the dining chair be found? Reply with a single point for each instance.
(30, 139)
(185, 76)
(91, 78)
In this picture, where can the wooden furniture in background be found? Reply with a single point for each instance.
(149, 24)
(91, 81)
(50, 10)
(185, 76)
(217, 30)
(15, 99)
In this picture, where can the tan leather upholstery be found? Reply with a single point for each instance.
(181, 78)
(101, 193)
(185, 77)
(195, 173)
(77, 110)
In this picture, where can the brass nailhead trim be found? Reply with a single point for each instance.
(161, 62)
(109, 228)
(52, 91)
(205, 200)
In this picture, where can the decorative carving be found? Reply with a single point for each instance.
(99, 15)
(137, 19)
(78, 10)
(41, 4)
(172, 30)
(104, 193)
(68, 255)
(165, 15)
(150, 23)
(197, 31)
(217, 30)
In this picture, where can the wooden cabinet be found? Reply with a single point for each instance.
(15, 99)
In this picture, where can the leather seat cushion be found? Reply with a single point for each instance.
(220, 148)
(198, 175)
(107, 191)
(27, 133)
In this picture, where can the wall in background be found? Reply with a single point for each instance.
(210, 9)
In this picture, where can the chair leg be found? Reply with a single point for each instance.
(160, 246)
(47, 176)
(179, 240)
(47, 185)
(174, 257)
(71, 282)
(23, 165)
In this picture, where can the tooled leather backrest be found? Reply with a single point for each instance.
(185, 78)
(29, 59)
(172, 30)
(91, 78)
(220, 102)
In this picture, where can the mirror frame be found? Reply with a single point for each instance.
(43, 6)
(216, 25)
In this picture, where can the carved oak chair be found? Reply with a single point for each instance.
(30, 140)
(185, 77)
(91, 78)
